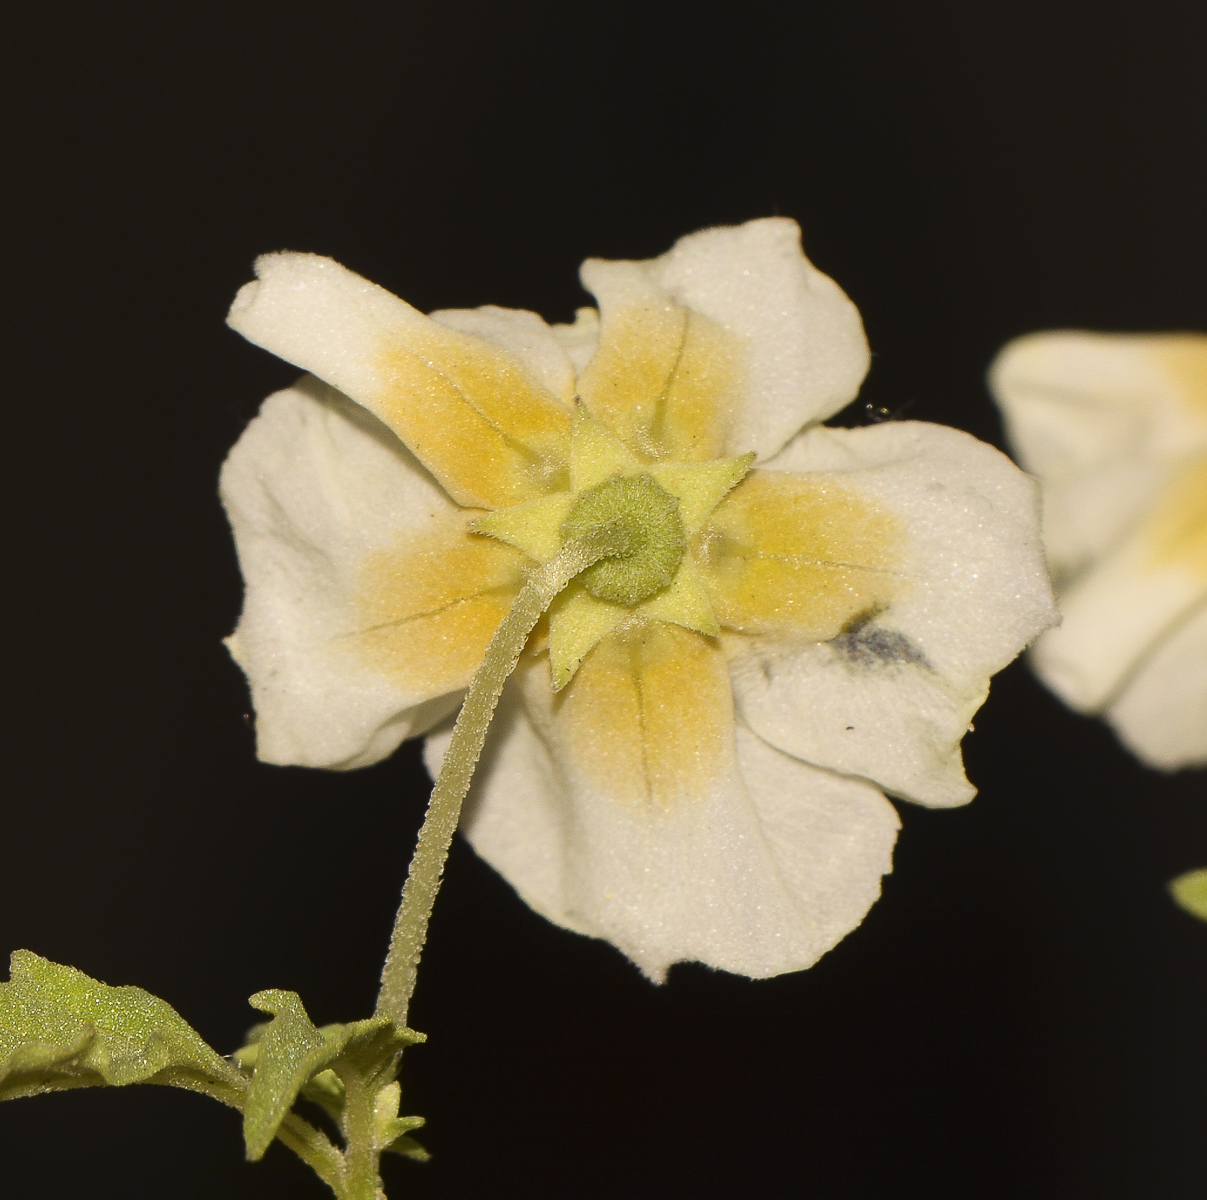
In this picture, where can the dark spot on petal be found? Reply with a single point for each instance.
(865, 644)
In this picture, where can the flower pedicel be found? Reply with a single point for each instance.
(691, 757)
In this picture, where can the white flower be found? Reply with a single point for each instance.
(705, 782)
(1115, 427)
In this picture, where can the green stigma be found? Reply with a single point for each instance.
(648, 516)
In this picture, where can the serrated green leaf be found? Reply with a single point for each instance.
(61, 1029)
(291, 1054)
(372, 1046)
(1190, 892)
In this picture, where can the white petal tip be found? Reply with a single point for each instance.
(244, 298)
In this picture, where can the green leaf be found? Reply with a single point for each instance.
(290, 1054)
(60, 1029)
(408, 1147)
(391, 1131)
(1190, 892)
(327, 1089)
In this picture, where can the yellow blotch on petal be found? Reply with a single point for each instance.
(1183, 357)
(797, 556)
(474, 417)
(429, 606)
(649, 716)
(664, 380)
(1176, 528)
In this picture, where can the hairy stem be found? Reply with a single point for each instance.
(311, 1145)
(362, 1180)
(444, 809)
(314, 1148)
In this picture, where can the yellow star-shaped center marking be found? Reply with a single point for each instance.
(578, 620)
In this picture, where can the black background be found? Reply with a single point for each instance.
(1021, 1014)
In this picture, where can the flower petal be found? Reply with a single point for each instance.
(517, 812)
(318, 491)
(864, 705)
(664, 379)
(647, 717)
(477, 416)
(1116, 611)
(890, 697)
(760, 873)
(429, 603)
(1161, 714)
(523, 334)
(1100, 419)
(580, 340)
(799, 352)
(797, 556)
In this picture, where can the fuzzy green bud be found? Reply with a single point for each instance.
(648, 518)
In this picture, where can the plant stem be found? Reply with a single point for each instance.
(444, 809)
(311, 1145)
(362, 1180)
(314, 1148)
